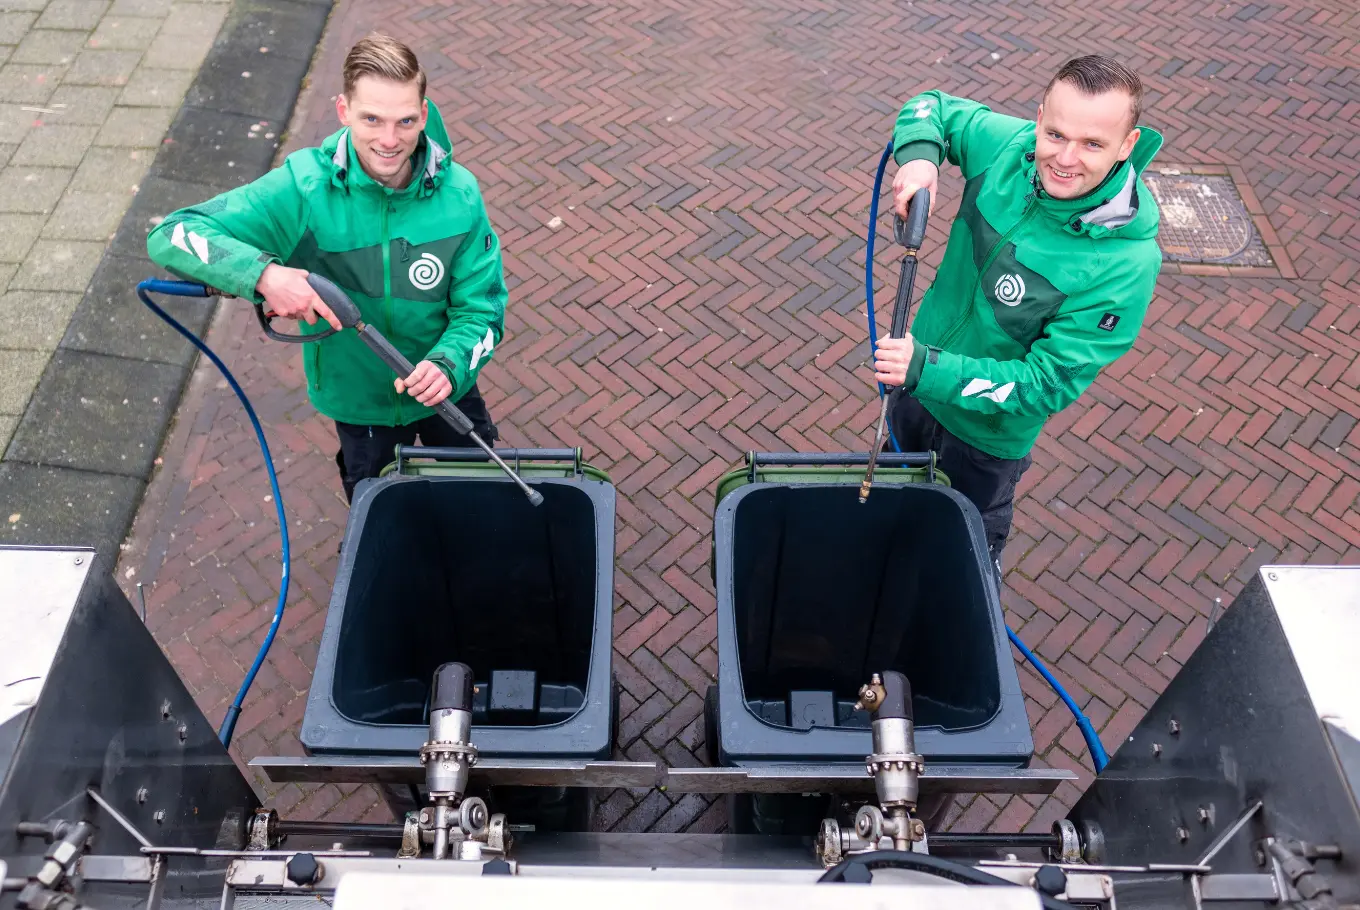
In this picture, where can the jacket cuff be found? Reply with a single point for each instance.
(919, 149)
(915, 367)
(448, 369)
(248, 287)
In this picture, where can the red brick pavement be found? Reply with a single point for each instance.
(710, 164)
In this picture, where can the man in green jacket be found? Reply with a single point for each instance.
(1051, 264)
(381, 209)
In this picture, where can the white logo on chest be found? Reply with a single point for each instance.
(1010, 289)
(426, 272)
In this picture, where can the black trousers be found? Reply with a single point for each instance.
(986, 481)
(365, 451)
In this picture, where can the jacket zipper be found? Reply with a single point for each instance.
(387, 290)
(1030, 205)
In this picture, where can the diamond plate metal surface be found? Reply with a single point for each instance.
(1205, 221)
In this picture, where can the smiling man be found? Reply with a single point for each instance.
(1051, 265)
(382, 210)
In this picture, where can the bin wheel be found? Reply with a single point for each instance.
(711, 726)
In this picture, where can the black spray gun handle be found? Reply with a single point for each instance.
(339, 303)
(911, 233)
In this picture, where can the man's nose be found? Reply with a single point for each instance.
(1068, 155)
(388, 139)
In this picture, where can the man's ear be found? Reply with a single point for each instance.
(424, 112)
(342, 109)
(1129, 142)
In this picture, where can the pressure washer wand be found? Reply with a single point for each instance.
(911, 233)
(348, 314)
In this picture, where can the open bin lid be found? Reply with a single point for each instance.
(831, 467)
(429, 461)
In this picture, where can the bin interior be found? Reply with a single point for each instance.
(827, 591)
(468, 570)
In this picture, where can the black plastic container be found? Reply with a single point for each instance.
(449, 561)
(816, 591)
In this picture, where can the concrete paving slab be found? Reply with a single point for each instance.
(214, 148)
(54, 145)
(59, 265)
(98, 413)
(36, 320)
(57, 506)
(111, 319)
(158, 197)
(32, 189)
(17, 234)
(19, 374)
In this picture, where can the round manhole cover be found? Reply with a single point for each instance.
(1204, 220)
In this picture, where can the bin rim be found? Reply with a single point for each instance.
(472, 462)
(824, 468)
(1010, 710)
(338, 734)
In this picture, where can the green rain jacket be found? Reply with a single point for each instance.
(422, 263)
(1035, 295)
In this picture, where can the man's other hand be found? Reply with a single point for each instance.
(427, 384)
(911, 177)
(288, 294)
(891, 360)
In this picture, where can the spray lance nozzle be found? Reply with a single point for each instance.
(911, 233)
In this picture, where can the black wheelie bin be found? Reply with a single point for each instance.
(444, 559)
(816, 591)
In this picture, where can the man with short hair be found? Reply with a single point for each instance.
(1051, 265)
(382, 210)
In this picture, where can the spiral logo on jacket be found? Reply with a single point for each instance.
(426, 272)
(1010, 289)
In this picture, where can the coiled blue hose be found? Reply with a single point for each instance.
(191, 289)
(1088, 732)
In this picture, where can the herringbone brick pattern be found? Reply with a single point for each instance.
(681, 189)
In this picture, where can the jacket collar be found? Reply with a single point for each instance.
(347, 173)
(1114, 204)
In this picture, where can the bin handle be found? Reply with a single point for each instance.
(925, 460)
(441, 453)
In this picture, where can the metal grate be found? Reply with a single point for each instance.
(1204, 220)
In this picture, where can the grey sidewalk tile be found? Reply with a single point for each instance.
(125, 33)
(48, 46)
(178, 52)
(96, 66)
(140, 127)
(54, 146)
(32, 189)
(81, 105)
(98, 413)
(157, 88)
(108, 170)
(36, 320)
(25, 83)
(58, 265)
(64, 507)
(19, 375)
(14, 25)
(73, 14)
(17, 234)
(87, 216)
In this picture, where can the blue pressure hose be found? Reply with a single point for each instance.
(1088, 732)
(190, 289)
